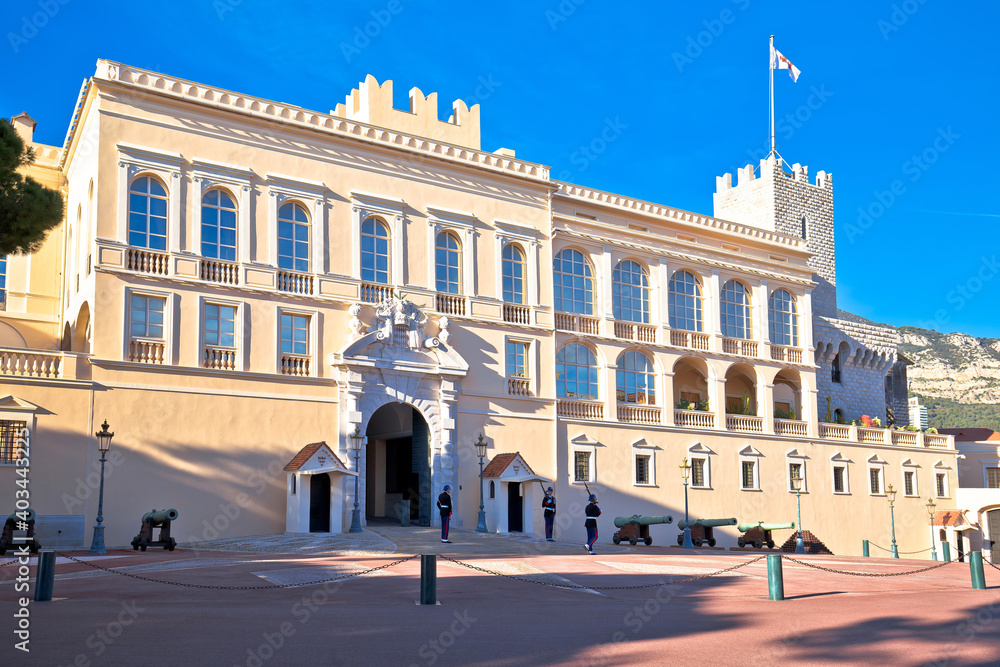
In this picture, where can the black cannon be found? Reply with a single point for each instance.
(759, 534)
(636, 527)
(156, 519)
(19, 520)
(702, 530)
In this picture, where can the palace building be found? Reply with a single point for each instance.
(240, 285)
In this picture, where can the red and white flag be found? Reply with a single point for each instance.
(779, 61)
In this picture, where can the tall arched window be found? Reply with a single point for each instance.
(218, 226)
(147, 214)
(635, 380)
(684, 301)
(573, 288)
(630, 292)
(448, 263)
(513, 274)
(374, 251)
(735, 310)
(293, 237)
(782, 319)
(576, 372)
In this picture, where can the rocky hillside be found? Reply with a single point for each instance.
(953, 366)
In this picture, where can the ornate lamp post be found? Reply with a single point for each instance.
(685, 474)
(891, 493)
(797, 487)
(481, 453)
(930, 510)
(103, 444)
(357, 441)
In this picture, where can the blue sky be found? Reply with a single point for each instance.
(898, 99)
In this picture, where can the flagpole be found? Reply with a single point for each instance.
(770, 69)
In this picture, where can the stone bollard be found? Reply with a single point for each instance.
(428, 579)
(45, 576)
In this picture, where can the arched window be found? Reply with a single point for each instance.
(635, 379)
(838, 416)
(630, 292)
(374, 251)
(293, 237)
(735, 310)
(147, 214)
(218, 226)
(573, 288)
(782, 319)
(513, 274)
(448, 263)
(576, 372)
(684, 301)
(493, 489)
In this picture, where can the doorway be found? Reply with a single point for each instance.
(319, 503)
(515, 508)
(398, 465)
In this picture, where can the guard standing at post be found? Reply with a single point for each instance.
(444, 504)
(592, 511)
(549, 507)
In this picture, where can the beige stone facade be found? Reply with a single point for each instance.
(238, 278)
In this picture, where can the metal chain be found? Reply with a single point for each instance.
(863, 574)
(994, 566)
(898, 551)
(601, 588)
(240, 588)
(10, 562)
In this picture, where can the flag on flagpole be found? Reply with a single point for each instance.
(779, 61)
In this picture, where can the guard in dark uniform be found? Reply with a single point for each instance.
(549, 507)
(444, 504)
(592, 511)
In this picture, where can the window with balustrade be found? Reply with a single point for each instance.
(294, 341)
(218, 325)
(12, 442)
(573, 283)
(782, 318)
(630, 292)
(635, 379)
(513, 270)
(374, 251)
(146, 316)
(684, 301)
(293, 237)
(218, 226)
(734, 310)
(517, 363)
(448, 263)
(576, 372)
(147, 214)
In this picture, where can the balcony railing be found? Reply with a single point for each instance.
(792, 355)
(580, 409)
(835, 431)
(296, 283)
(516, 314)
(694, 418)
(375, 293)
(871, 435)
(745, 423)
(296, 364)
(223, 358)
(689, 339)
(450, 304)
(638, 414)
(644, 333)
(904, 438)
(36, 364)
(744, 348)
(215, 271)
(936, 440)
(790, 427)
(147, 261)
(519, 386)
(147, 351)
(581, 323)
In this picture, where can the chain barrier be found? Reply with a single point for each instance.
(898, 551)
(600, 588)
(239, 588)
(10, 562)
(863, 574)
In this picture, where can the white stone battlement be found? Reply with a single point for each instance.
(773, 168)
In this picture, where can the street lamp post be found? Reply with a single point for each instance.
(685, 474)
(357, 440)
(891, 493)
(797, 487)
(481, 453)
(103, 444)
(930, 510)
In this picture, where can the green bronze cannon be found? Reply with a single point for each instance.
(636, 527)
(19, 520)
(759, 534)
(702, 530)
(156, 519)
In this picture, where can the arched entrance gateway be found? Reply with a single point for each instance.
(399, 384)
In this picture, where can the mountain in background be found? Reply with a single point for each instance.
(956, 376)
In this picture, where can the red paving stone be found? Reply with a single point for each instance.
(827, 618)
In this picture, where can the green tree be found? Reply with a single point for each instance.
(28, 210)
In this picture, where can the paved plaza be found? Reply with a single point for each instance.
(581, 610)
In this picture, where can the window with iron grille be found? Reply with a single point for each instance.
(909, 483)
(839, 479)
(942, 485)
(698, 477)
(581, 466)
(641, 469)
(875, 480)
(749, 482)
(10, 439)
(993, 479)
